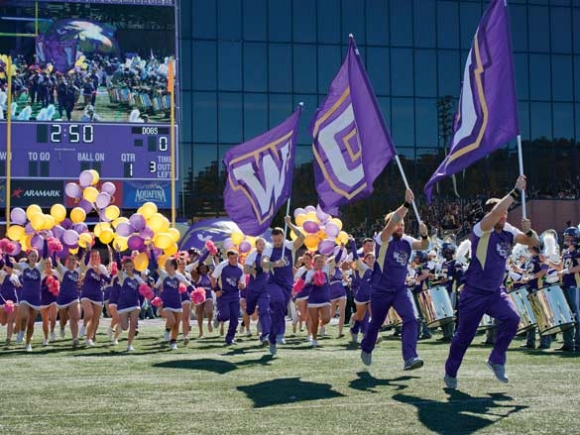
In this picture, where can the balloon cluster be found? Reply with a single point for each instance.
(53, 285)
(241, 243)
(322, 230)
(90, 198)
(30, 223)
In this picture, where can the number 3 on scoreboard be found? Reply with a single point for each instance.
(152, 167)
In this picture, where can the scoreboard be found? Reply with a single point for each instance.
(62, 150)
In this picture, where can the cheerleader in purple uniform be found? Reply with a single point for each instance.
(363, 273)
(301, 292)
(30, 297)
(115, 289)
(92, 294)
(9, 306)
(205, 308)
(185, 299)
(129, 304)
(67, 300)
(337, 293)
(48, 303)
(319, 297)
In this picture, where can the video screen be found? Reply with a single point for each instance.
(87, 61)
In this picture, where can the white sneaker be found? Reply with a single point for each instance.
(309, 338)
(114, 342)
(130, 348)
(52, 336)
(89, 342)
(20, 337)
(322, 331)
(413, 363)
(248, 333)
(110, 333)
(28, 348)
(45, 343)
(167, 336)
(354, 337)
(173, 346)
(75, 343)
(499, 372)
(367, 358)
(450, 382)
(314, 343)
(62, 332)
(83, 331)
(273, 349)
(186, 340)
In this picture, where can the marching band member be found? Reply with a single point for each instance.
(389, 289)
(536, 271)
(571, 282)
(451, 275)
(423, 274)
(492, 241)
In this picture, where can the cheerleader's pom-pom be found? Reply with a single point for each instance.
(146, 291)
(318, 279)
(198, 296)
(298, 285)
(211, 247)
(54, 245)
(156, 301)
(182, 288)
(114, 269)
(9, 307)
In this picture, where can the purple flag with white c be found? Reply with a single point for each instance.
(352, 144)
(487, 117)
(259, 176)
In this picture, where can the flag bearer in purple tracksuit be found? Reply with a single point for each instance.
(257, 294)
(229, 275)
(492, 241)
(279, 260)
(388, 284)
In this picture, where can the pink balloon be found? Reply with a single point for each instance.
(332, 230)
(109, 188)
(326, 246)
(103, 200)
(310, 227)
(70, 237)
(86, 178)
(18, 216)
(73, 190)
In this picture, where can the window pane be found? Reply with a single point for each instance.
(385, 106)
(448, 25)
(521, 74)
(539, 28)
(403, 122)
(185, 57)
(185, 125)
(541, 120)
(577, 77)
(204, 19)
(524, 119)
(519, 27)
(377, 22)
(401, 68)
(230, 66)
(425, 73)
(279, 23)
(204, 65)
(185, 21)
(576, 32)
(561, 34)
(229, 19)
(563, 120)
(304, 65)
(230, 118)
(310, 106)
(426, 128)
(540, 77)
(562, 77)
(205, 169)
(279, 73)
(280, 108)
(470, 16)
(353, 21)
(329, 61)
(255, 115)
(449, 73)
(204, 117)
(378, 69)
(255, 68)
(401, 23)
(255, 20)
(328, 25)
(424, 23)
(304, 21)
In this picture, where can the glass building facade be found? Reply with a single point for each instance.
(246, 64)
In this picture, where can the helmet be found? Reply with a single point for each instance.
(572, 236)
(448, 250)
(421, 257)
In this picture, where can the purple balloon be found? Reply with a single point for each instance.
(73, 246)
(62, 254)
(73, 190)
(49, 233)
(85, 179)
(137, 221)
(58, 231)
(311, 227)
(124, 229)
(332, 229)
(245, 247)
(143, 248)
(109, 188)
(228, 243)
(103, 200)
(299, 211)
(326, 246)
(80, 228)
(310, 208)
(66, 224)
(17, 248)
(102, 216)
(28, 229)
(146, 233)
(70, 237)
(135, 243)
(157, 252)
(18, 216)
(320, 214)
(87, 206)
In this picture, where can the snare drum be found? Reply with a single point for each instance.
(551, 310)
(435, 306)
(486, 323)
(527, 319)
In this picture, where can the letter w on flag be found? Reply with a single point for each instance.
(352, 144)
(259, 176)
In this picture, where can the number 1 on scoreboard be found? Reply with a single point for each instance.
(128, 170)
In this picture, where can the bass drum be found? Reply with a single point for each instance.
(527, 319)
(393, 318)
(551, 310)
(435, 306)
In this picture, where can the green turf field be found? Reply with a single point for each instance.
(206, 388)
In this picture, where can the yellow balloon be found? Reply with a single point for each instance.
(100, 227)
(58, 212)
(90, 194)
(175, 234)
(37, 221)
(112, 212)
(118, 220)
(338, 222)
(322, 234)
(85, 240)
(293, 235)
(162, 259)
(25, 241)
(311, 216)
(49, 222)
(300, 219)
(163, 240)
(73, 251)
(107, 235)
(77, 215)
(171, 250)
(95, 176)
(156, 222)
(32, 209)
(251, 240)
(237, 237)
(141, 262)
(148, 209)
(311, 242)
(15, 232)
(165, 225)
(121, 242)
(342, 238)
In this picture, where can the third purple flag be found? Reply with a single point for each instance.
(352, 144)
(487, 117)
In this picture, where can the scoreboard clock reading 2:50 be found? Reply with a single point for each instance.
(61, 150)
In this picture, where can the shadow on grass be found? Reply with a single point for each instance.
(206, 364)
(287, 390)
(367, 382)
(461, 410)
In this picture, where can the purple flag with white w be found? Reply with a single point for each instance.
(487, 117)
(352, 144)
(259, 176)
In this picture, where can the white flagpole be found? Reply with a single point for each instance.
(407, 186)
(287, 214)
(521, 165)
